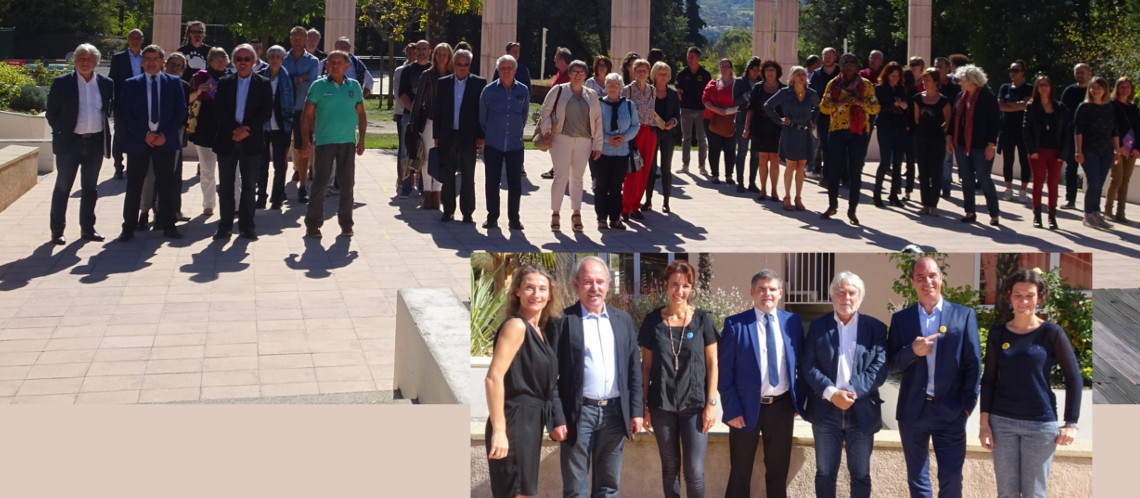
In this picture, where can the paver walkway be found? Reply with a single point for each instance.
(155, 320)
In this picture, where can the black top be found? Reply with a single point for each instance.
(890, 116)
(763, 129)
(820, 78)
(683, 388)
(534, 369)
(1128, 117)
(410, 80)
(931, 118)
(1073, 96)
(1044, 130)
(669, 108)
(1011, 121)
(195, 59)
(1097, 125)
(1017, 370)
(986, 118)
(692, 86)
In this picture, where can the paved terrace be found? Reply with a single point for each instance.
(156, 320)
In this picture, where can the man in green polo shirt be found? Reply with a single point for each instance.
(328, 111)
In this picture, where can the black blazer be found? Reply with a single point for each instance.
(569, 346)
(444, 110)
(987, 118)
(672, 111)
(121, 69)
(258, 111)
(819, 364)
(1033, 128)
(63, 111)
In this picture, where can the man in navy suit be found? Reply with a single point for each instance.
(458, 134)
(245, 103)
(78, 106)
(758, 386)
(151, 112)
(935, 345)
(844, 361)
(124, 65)
(598, 400)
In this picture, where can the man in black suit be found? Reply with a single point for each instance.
(124, 65)
(78, 106)
(458, 134)
(151, 113)
(598, 400)
(245, 103)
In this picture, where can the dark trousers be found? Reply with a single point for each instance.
(1009, 142)
(775, 427)
(718, 144)
(276, 149)
(949, 440)
(892, 149)
(911, 158)
(402, 153)
(344, 155)
(177, 192)
(84, 161)
(662, 164)
(610, 172)
(117, 150)
(931, 154)
(229, 166)
(822, 124)
(493, 161)
(458, 157)
(846, 152)
(1097, 166)
(973, 166)
(681, 444)
(164, 187)
(1072, 179)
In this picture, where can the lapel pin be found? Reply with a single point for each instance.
(1005, 345)
(942, 329)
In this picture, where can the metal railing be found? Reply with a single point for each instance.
(807, 276)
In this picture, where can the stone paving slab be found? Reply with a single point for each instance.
(155, 320)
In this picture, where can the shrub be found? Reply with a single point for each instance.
(12, 78)
(31, 99)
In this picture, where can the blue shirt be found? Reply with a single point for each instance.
(306, 65)
(242, 96)
(136, 63)
(599, 380)
(627, 125)
(502, 114)
(930, 326)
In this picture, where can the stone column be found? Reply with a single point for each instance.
(787, 34)
(918, 30)
(764, 29)
(167, 31)
(629, 29)
(500, 27)
(340, 20)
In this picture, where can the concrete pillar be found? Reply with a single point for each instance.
(787, 34)
(918, 30)
(500, 27)
(764, 29)
(340, 20)
(629, 29)
(168, 30)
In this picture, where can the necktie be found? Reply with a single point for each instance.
(773, 367)
(154, 99)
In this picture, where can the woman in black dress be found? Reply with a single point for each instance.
(679, 373)
(765, 133)
(520, 381)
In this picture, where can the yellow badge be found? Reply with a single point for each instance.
(1005, 345)
(942, 329)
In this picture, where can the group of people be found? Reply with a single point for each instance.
(587, 378)
(241, 110)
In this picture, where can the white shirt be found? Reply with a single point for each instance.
(398, 107)
(600, 377)
(460, 87)
(273, 116)
(762, 342)
(147, 80)
(848, 335)
(90, 118)
(929, 325)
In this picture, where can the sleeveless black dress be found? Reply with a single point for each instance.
(528, 385)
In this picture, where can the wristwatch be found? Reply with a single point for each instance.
(1072, 425)
(711, 401)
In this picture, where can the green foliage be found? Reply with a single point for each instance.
(1069, 307)
(1106, 38)
(32, 99)
(24, 88)
(485, 307)
(256, 19)
(735, 45)
(720, 303)
(12, 78)
(964, 295)
(390, 18)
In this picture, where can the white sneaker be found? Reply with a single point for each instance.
(1008, 195)
(1022, 196)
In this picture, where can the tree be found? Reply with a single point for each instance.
(1007, 264)
(263, 20)
(695, 24)
(437, 12)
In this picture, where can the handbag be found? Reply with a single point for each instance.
(723, 125)
(192, 116)
(544, 141)
(434, 168)
(635, 161)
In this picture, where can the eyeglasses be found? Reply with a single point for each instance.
(243, 59)
(466, 64)
(579, 73)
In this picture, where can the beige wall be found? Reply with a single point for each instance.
(736, 269)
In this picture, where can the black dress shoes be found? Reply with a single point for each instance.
(144, 221)
(828, 214)
(248, 235)
(490, 224)
(126, 236)
(447, 217)
(93, 236)
(58, 240)
(468, 219)
(223, 234)
(514, 225)
(851, 217)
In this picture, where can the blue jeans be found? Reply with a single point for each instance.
(83, 161)
(679, 438)
(742, 145)
(947, 168)
(971, 166)
(1096, 168)
(1023, 450)
(837, 428)
(600, 441)
(406, 183)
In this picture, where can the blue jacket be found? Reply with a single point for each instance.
(282, 99)
(133, 113)
(502, 114)
(957, 364)
(627, 125)
(819, 362)
(307, 65)
(63, 111)
(738, 355)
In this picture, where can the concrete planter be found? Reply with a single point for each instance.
(29, 130)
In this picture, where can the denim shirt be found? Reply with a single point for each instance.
(307, 65)
(627, 125)
(285, 88)
(502, 114)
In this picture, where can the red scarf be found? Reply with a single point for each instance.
(857, 121)
(966, 106)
